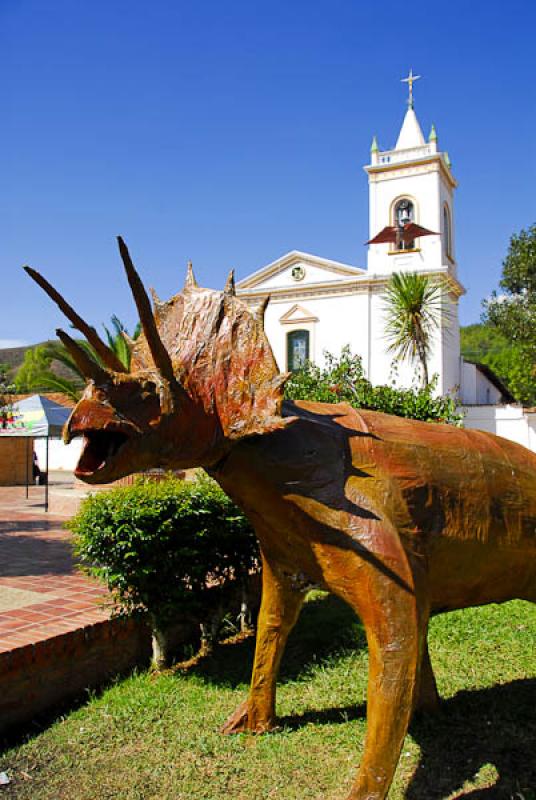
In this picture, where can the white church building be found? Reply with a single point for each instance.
(318, 305)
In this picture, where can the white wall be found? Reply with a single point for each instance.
(510, 421)
(446, 197)
(60, 456)
(452, 378)
(476, 388)
(357, 319)
(342, 320)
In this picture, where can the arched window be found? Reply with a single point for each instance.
(447, 234)
(404, 213)
(297, 349)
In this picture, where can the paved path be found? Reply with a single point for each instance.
(42, 594)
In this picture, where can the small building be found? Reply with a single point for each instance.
(482, 387)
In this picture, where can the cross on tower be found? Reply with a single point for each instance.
(410, 81)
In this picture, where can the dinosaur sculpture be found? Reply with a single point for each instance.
(401, 519)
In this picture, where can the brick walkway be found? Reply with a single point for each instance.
(57, 640)
(41, 592)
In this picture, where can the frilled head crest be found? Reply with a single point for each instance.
(202, 375)
(220, 356)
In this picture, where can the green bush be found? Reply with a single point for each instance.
(171, 548)
(343, 380)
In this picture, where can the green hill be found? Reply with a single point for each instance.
(14, 356)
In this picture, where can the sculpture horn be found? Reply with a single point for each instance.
(279, 381)
(87, 365)
(156, 300)
(229, 289)
(106, 355)
(259, 311)
(159, 353)
(130, 342)
(190, 282)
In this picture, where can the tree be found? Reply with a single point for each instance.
(36, 373)
(179, 550)
(415, 308)
(36, 363)
(513, 310)
(6, 390)
(118, 340)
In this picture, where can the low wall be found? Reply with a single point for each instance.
(38, 677)
(16, 460)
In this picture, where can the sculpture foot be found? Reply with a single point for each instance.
(243, 721)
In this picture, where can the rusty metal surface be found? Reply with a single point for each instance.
(402, 519)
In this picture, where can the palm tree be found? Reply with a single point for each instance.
(44, 378)
(415, 309)
(71, 386)
(117, 341)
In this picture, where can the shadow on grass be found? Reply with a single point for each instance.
(474, 728)
(489, 726)
(327, 716)
(326, 627)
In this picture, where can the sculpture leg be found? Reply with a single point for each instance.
(280, 608)
(391, 620)
(427, 698)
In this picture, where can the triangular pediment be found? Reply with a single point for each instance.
(297, 269)
(297, 314)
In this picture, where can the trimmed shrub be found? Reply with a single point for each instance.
(178, 550)
(343, 379)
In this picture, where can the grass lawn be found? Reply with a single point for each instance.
(156, 737)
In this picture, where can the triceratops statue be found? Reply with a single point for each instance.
(401, 519)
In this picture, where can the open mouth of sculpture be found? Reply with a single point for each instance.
(100, 452)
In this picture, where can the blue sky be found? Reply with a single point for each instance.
(230, 133)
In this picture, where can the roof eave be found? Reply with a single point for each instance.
(283, 261)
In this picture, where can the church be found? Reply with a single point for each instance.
(318, 305)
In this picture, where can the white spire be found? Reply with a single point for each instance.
(410, 133)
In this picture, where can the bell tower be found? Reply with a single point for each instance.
(412, 183)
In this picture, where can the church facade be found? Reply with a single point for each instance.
(318, 305)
